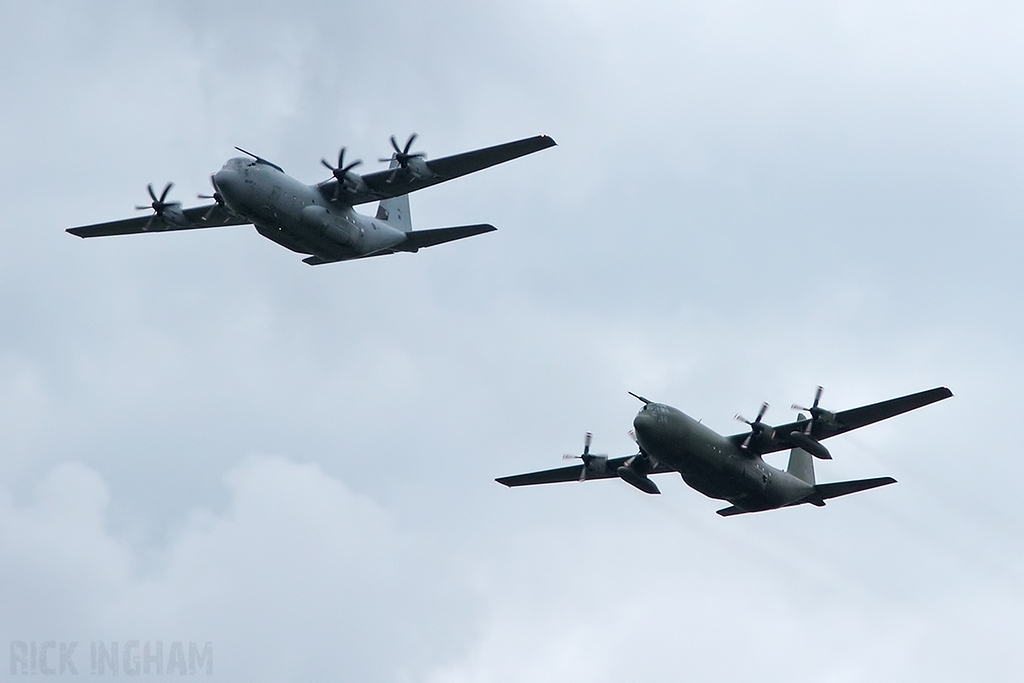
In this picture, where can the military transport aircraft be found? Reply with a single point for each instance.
(730, 467)
(319, 219)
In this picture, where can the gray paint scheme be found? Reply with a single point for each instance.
(319, 220)
(731, 468)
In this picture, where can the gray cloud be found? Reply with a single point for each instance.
(744, 203)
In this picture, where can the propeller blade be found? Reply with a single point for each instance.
(408, 145)
(163, 195)
(586, 443)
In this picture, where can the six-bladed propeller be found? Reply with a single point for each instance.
(341, 172)
(758, 429)
(591, 462)
(407, 161)
(159, 205)
(402, 154)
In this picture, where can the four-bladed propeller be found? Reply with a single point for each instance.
(758, 429)
(814, 410)
(805, 439)
(341, 171)
(591, 462)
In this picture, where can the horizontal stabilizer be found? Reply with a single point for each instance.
(822, 492)
(418, 239)
(843, 488)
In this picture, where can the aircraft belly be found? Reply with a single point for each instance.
(703, 469)
(712, 485)
(284, 238)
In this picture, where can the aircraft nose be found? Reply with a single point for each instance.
(643, 423)
(228, 181)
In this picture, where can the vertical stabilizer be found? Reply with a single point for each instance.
(395, 211)
(801, 465)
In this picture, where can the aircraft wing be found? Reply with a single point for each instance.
(572, 473)
(848, 420)
(394, 183)
(209, 216)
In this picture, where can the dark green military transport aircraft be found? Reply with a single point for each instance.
(730, 467)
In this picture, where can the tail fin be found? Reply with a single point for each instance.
(801, 464)
(395, 211)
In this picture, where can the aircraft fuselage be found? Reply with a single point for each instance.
(711, 463)
(298, 216)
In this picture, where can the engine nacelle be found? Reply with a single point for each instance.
(634, 478)
(810, 444)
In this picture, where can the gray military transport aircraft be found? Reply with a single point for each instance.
(730, 467)
(319, 219)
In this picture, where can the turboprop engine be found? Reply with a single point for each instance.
(810, 444)
(634, 472)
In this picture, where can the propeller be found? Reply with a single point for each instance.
(814, 410)
(159, 204)
(402, 154)
(758, 429)
(340, 172)
(804, 439)
(587, 457)
(217, 197)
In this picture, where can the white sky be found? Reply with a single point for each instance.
(204, 439)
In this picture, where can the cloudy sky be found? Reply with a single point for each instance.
(205, 440)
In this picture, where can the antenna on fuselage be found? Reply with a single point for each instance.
(638, 397)
(260, 160)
